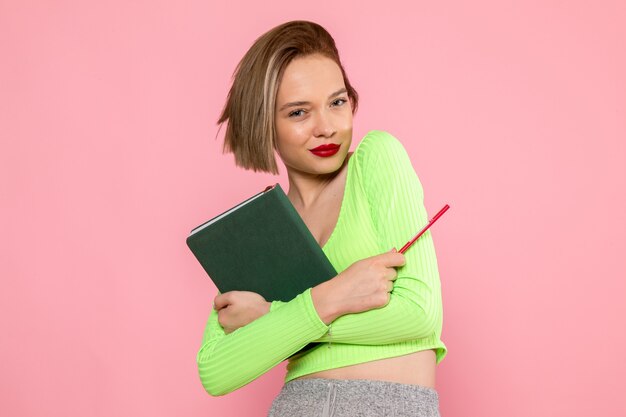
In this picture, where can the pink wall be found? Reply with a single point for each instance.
(513, 115)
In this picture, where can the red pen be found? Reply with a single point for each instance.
(430, 223)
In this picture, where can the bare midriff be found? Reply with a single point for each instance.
(416, 368)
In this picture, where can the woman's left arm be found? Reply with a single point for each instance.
(395, 197)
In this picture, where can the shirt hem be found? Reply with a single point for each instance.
(441, 352)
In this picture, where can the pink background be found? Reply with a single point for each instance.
(512, 114)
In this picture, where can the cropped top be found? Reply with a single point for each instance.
(382, 208)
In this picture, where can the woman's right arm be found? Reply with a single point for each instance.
(227, 362)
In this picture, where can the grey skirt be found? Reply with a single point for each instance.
(321, 397)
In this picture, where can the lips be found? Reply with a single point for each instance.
(325, 153)
(328, 147)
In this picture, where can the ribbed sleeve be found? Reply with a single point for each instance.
(395, 199)
(227, 362)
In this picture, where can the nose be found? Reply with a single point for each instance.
(323, 125)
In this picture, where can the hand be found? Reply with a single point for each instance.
(364, 285)
(235, 309)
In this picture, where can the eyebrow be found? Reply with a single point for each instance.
(302, 103)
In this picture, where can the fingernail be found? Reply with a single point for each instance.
(394, 250)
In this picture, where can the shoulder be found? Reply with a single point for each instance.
(376, 141)
(384, 166)
(380, 151)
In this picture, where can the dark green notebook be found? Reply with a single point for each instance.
(261, 245)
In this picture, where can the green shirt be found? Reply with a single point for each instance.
(382, 208)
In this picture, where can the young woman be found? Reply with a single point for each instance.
(378, 322)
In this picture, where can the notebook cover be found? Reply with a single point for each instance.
(264, 246)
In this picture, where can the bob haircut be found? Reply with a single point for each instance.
(251, 102)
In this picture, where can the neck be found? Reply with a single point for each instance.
(305, 189)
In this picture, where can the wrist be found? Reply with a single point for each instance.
(326, 308)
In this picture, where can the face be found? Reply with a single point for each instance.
(312, 109)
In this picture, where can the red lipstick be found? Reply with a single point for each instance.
(325, 150)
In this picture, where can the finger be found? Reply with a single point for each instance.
(221, 301)
(393, 274)
(393, 259)
(388, 299)
(390, 286)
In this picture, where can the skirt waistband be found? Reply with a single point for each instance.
(361, 387)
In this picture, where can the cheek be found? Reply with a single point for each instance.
(291, 134)
(344, 122)
(284, 130)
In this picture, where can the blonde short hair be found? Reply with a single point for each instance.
(250, 106)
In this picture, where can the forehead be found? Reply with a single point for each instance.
(308, 76)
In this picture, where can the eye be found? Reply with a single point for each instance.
(341, 101)
(295, 113)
